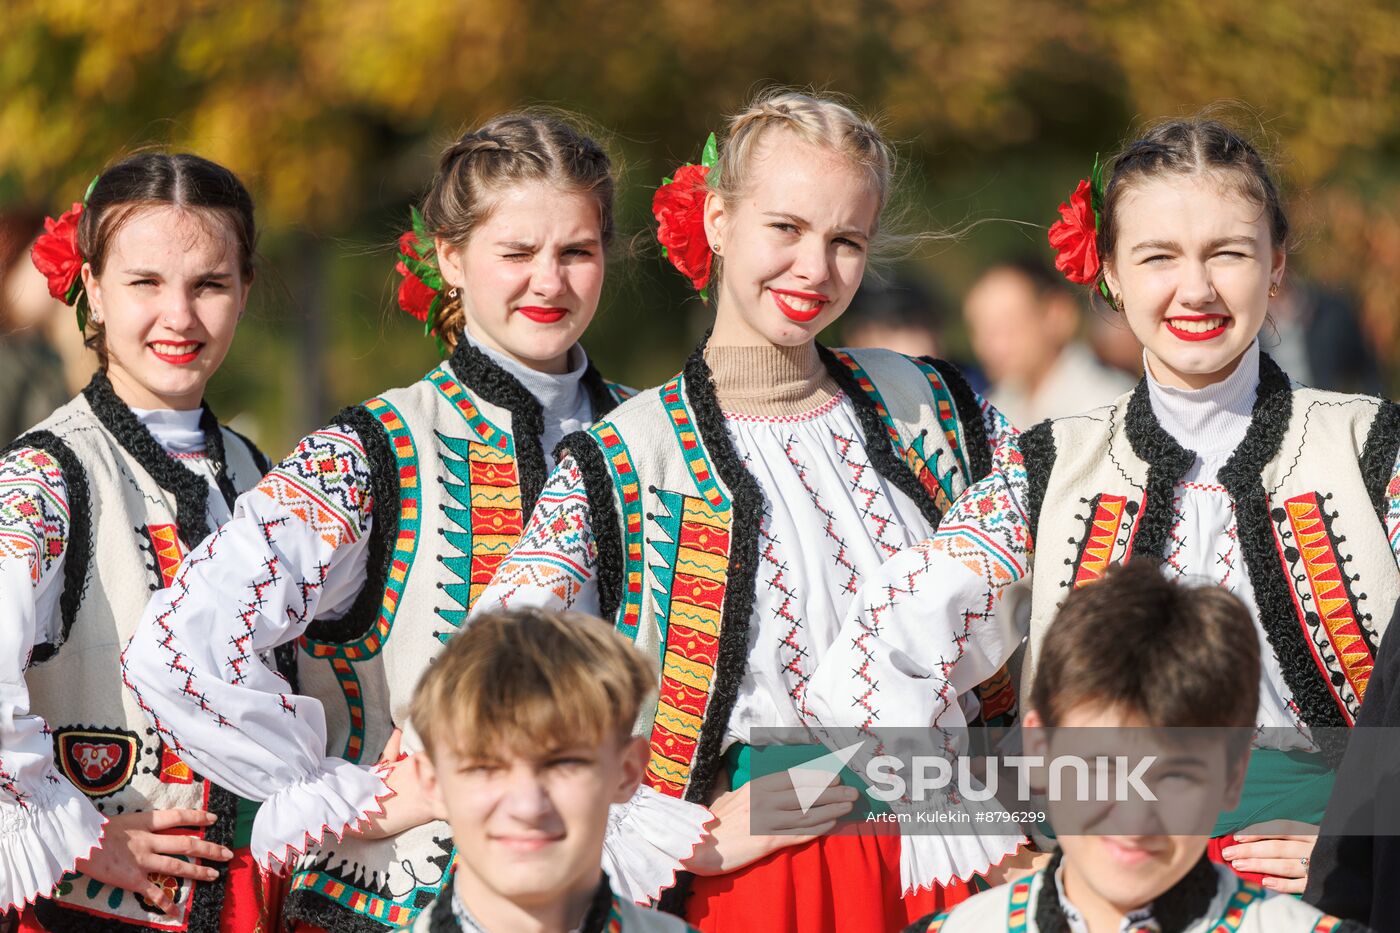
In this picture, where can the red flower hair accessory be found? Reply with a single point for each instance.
(1075, 235)
(679, 208)
(55, 254)
(421, 291)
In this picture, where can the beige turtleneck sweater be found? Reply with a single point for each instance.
(770, 381)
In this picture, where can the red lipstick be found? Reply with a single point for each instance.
(177, 353)
(543, 315)
(799, 315)
(1195, 336)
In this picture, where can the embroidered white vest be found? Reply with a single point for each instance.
(1307, 484)
(102, 742)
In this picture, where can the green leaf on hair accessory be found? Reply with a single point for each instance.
(709, 156)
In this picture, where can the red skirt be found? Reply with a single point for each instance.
(845, 882)
(252, 900)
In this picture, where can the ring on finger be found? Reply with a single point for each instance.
(1304, 861)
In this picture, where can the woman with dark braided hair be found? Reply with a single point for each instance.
(1217, 466)
(367, 545)
(103, 825)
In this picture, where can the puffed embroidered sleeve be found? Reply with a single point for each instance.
(554, 565)
(293, 551)
(46, 824)
(939, 619)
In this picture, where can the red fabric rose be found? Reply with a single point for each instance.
(415, 298)
(55, 253)
(1075, 238)
(679, 208)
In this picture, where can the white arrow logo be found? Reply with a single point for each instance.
(810, 778)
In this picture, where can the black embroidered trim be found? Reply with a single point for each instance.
(602, 517)
(384, 487)
(969, 409)
(1038, 453)
(746, 503)
(260, 459)
(303, 906)
(600, 395)
(878, 445)
(484, 378)
(190, 491)
(1378, 457)
(1167, 462)
(78, 555)
(1241, 477)
(207, 900)
(218, 456)
(1185, 903)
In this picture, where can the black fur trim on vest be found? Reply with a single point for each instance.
(1185, 903)
(190, 491)
(878, 446)
(1241, 477)
(384, 530)
(1378, 457)
(602, 518)
(78, 554)
(979, 449)
(1038, 452)
(1167, 462)
(483, 377)
(600, 397)
(218, 457)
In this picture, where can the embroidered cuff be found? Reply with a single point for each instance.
(338, 800)
(41, 844)
(648, 840)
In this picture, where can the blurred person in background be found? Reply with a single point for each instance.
(1113, 341)
(31, 372)
(1024, 324)
(1320, 341)
(904, 315)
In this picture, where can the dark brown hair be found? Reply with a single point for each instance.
(528, 681)
(1187, 147)
(507, 150)
(153, 179)
(1177, 655)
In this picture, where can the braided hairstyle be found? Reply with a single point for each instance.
(507, 150)
(1190, 147)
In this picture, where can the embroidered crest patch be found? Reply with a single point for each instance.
(99, 763)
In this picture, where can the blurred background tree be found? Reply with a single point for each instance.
(334, 112)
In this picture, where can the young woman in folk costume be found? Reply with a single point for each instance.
(368, 544)
(726, 519)
(1216, 465)
(98, 505)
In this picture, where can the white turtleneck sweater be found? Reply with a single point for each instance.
(563, 399)
(1210, 421)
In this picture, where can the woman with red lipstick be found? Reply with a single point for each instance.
(367, 546)
(1216, 465)
(726, 519)
(105, 826)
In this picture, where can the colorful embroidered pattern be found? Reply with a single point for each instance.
(939, 488)
(396, 915)
(1100, 538)
(1247, 893)
(324, 483)
(165, 549)
(624, 478)
(1332, 621)
(488, 517)
(557, 552)
(33, 510)
(947, 412)
(692, 642)
(342, 656)
(99, 762)
(1018, 906)
(490, 434)
(696, 460)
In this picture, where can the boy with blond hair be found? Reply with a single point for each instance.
(1131, 662)
(525, 720)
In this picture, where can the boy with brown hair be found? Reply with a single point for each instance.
(525, 720)
(1137, 656)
